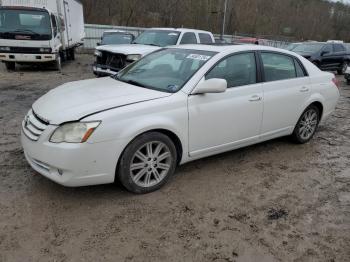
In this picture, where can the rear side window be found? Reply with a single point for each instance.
(188, 38)
(237, 70)
(205, 38)
(338, 48)
(278, 67)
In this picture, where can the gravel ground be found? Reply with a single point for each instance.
(275, 201)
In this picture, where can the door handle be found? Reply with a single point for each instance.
(304, 89)
(255, 98)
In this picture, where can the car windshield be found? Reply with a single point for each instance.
(116, 39)
(167, 70)
(291, 47)
(25, 24)
(309, 48)
(158, 38)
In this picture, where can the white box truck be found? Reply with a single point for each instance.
(39, 31)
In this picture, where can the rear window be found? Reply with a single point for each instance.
(205, 38)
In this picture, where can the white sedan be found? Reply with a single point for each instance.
(174, 106)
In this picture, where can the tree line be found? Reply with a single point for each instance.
(284, 19)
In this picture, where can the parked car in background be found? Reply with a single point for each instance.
(33, 32)
(292, 46)
(173, 106)
(111, 59)
(327, 56)
(116, 37)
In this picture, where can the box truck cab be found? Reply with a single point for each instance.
(40, 31)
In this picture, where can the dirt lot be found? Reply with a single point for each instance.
(271, 202)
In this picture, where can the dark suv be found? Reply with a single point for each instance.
(327, 56)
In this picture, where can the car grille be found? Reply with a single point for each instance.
(34, 126)
(112, 61)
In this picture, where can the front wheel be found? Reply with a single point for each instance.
(147, 163)
(11, 66)
(307, 125)
(58, 63)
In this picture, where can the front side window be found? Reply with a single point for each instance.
(167, 70)
(188, 38)
(339, 48)
(158, 38)
(308, 48)
(327, 49)
(25, 24)
(278, 67)
(237, 70)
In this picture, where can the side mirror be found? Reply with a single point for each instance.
(98, 44)
(324, 53)
(214, 85)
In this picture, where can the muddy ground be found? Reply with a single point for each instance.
(271, 202)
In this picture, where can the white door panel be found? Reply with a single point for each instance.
(283, 101)
(217, 120)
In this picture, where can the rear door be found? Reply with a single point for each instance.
(220, 122)
(286, 88)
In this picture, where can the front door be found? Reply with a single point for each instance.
(224, 121)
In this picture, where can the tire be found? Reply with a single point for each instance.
(71, 53)
(154, 159)
(11, 66)
(343, 68)
(307, 125)
(58, 63)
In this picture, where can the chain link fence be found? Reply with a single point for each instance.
(94, 33)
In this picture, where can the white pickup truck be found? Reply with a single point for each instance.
(112, 58)
(40, 31)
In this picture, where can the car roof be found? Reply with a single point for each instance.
(180, 29)
(232, 48)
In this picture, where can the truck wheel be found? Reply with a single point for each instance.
(58, 63)
(71, 54)
(11, 66)
(342, 71)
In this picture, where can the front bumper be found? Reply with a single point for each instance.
(27, 58)
(104, 70)
(72, 165)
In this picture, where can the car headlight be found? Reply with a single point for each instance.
(98, 53)
(5, 48)
(78, 132)
(45, 50)
(133, 57)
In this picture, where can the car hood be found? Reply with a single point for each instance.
(76, 100)
(133, 49)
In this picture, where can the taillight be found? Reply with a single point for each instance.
(336, 82)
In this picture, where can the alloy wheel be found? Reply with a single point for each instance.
(308, 124)
(150, 164)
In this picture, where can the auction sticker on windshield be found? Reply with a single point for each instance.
(198, 57)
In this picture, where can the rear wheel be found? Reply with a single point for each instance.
(344, 66)
(10, 66)
(307, 125)
(147, 163)
(71, 54)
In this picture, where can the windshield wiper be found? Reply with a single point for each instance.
(131, 82)
(24, 31)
